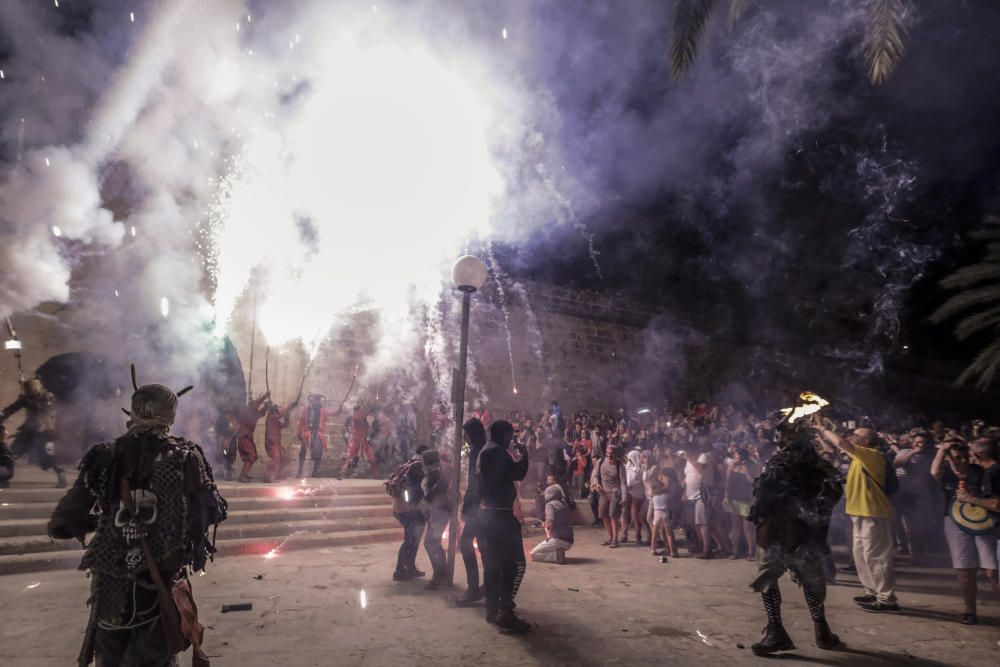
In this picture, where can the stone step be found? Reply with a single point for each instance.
(279, 514)
(230, 490)
(13, 511)
(270, 546)
(278, 529)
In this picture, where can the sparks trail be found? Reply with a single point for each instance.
(567, 214)
(504, 308)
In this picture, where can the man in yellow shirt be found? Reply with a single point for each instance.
(870, 510)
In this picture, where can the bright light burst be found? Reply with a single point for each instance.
(359, 197)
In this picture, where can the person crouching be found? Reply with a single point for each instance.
(558, 529)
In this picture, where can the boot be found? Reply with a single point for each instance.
(509, 623)
(775, 639)
(825, 638)
(298, 475)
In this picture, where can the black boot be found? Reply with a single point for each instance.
(775, 639)
(298, 475)
(825, 638)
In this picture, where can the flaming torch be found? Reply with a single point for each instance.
(810, 403)
(13, 344)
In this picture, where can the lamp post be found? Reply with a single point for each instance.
(468, 275)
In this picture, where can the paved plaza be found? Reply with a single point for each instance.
(605, 607)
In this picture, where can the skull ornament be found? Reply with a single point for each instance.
(135, 526)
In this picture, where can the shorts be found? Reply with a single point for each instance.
(970, 552)
(609, 506)
(741, 507)
(695, 513)
(659, 516)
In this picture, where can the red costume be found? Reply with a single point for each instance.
(244, 437)
(275, 422)
(359, 443)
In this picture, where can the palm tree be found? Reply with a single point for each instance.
(977, 302)
(883, 38)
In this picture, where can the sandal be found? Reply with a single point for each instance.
(613, 545)
(969, 619)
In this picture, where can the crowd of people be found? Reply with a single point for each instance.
(669, 480)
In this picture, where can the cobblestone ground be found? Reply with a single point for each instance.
(605, 607)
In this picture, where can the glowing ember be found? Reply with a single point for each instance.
(286, 493)
(165, 307)
(34, 584)
(364, 599)
(56, 231)
(271, 554)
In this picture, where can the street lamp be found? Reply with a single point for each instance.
(468, 275)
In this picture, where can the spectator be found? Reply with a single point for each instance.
(635, 510)
(609, 482)
(558, 529)
(969, 553)
(914, 501)
(870, 510)
(738, 496)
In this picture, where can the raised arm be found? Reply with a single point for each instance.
(936, 465)
(840, 443)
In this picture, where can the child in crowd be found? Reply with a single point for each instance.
(661, 522)
(580, 460)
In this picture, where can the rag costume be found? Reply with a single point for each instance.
(793, 501)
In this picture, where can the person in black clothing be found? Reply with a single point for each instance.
(406, 510)
(475, 436)
(503, 552)
(6, 459)
(793, 500)
(37, 434)
(435, 491)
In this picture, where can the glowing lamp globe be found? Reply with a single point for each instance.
(469, 273)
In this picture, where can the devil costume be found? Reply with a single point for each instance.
(312, 433)
(794, 498)
(244, 438)
(36, 436)
(359, 444)
(155, 501)
(276, 421)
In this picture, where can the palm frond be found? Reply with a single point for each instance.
(983, 368)
(884, 39)
(979, 296)
(971, 275)
(973, 324)
(736, 9)
(690, 19)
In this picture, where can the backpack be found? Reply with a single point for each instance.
(399, 479)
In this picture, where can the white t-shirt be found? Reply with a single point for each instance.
(693, 478)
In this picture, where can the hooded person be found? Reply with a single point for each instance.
(435, 490)
(276, 421)
(793, 501)
(151, 500)
(558, 528)
(36, 435)
(245, 444)
(312, 432)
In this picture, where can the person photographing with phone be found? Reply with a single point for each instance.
(503, 548)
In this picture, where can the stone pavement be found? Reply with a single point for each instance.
(606, 607)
